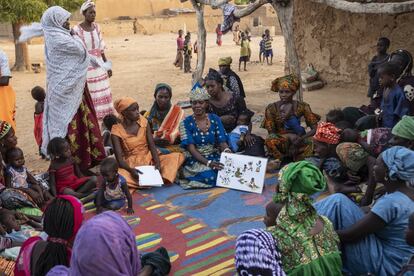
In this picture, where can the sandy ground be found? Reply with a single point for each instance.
(140, 62)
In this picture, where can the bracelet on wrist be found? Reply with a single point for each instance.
(209, 163)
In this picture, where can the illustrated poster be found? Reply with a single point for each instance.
(242, 172)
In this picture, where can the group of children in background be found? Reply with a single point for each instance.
(185, 48)
(184, 51)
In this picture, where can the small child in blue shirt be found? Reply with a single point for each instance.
(236, 136)
(262, 45)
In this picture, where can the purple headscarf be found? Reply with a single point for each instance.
(105, 245)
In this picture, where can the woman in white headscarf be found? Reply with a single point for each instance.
(98, 78)
(68, 110)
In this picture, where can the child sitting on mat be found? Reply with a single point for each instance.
(18, 177)
(65, 176)
(112, 194)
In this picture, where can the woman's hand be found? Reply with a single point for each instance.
(216, 165)
(157, 165)
(130, 211)
(35, 196)
(249, 140)
(161, 142)
(134, 174)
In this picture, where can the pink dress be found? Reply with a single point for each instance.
(65, 177)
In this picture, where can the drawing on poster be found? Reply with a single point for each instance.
(242, 172)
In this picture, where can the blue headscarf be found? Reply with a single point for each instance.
(400, 163)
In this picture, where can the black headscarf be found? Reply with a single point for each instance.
(214, 75)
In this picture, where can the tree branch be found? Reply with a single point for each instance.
(212, 3)
(239, 13)
(377, 8)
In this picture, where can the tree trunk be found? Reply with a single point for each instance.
(22, 62)
(285, 16)
(201, 42)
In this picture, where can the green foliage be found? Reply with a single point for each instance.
(26, 11)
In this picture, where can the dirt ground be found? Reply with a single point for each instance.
(140, 62)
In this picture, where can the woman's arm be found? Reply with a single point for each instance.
(224, 146)
(197, 156)
(153, 149)
(78, 172)
(119, 155)
(130, 210)
(369, 224)
(4, 81)
(99, 200)
(52, 183)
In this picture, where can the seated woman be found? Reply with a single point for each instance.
(62, 219)
(164, 119)
(229, 107)
(287, 139)
(111, 239)
(134, 146)
(374, 242)
(203, 136)
(306, 242)
(403, 133)
(223, 102)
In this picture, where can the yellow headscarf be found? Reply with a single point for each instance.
(225, 61)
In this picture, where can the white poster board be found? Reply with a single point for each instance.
(242, 172)
(149, 176)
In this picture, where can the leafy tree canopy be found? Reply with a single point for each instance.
(27, 11)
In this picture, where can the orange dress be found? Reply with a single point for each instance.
(136, 153)
(8, 105)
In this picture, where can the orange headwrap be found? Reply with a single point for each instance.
(123, 103)
(327, 133)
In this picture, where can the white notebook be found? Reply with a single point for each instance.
(150, 176)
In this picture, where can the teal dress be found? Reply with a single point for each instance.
(197, 175)
(382, 253)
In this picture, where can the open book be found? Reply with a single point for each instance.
(150, 176)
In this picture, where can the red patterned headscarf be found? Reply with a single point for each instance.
(327, 133)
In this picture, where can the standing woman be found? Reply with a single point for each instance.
(97, 77)
(68, 110)
(7, 95)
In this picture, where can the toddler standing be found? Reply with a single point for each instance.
(39, 95)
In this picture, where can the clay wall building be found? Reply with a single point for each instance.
(340, 44)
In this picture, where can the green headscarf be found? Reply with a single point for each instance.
(298, 216)
(404, 128)
(162, 85)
